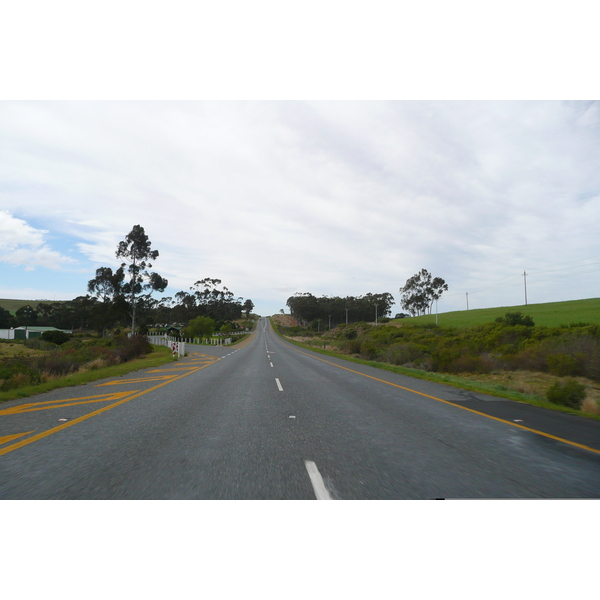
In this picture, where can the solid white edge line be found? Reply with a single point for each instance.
(317, 481)
(278, 384)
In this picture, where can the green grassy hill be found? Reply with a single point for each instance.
(551, 314)
(14, 305)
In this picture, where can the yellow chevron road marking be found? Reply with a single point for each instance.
(123, 398)
(173, 369)
(10, 438)
(138, 380)
(23, 408)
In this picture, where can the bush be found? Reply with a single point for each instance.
(471, 364)
(404, 353)
(369, 349)
(570, 393)
(516, 318)
(350, 346)
(128, 348)
(16, 373)
(55, 337)
(565, 364)
(349, 334)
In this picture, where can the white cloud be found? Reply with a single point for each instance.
(23, 245)
(328, 197)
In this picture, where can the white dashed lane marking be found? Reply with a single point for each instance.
(317, 481)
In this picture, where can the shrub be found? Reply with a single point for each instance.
(350, 346)
(516, 318)
(55, 337)
(570, 393)
(349, 334)
(404, 353)
(369, 349)
(39, 344)
(565, 364)
(128, 348)
(471, 364)
(15, 373)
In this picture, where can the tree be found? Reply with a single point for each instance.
(26, 315)
(107, 287)
(200, 327)
(247, 307)
(420, 291)
(6, 319)
(137, 253)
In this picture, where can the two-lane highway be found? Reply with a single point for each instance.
(268, 420)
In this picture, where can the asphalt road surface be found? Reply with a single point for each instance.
(268, 420)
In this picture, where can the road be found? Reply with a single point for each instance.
(268, 420)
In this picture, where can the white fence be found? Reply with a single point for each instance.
(176, 346)
(214, 341)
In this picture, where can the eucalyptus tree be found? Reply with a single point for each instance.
(247, 307)
(420, 291)
(108, 289)
(136, 252)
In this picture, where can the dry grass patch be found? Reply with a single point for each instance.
(537, 384)
(12, 350)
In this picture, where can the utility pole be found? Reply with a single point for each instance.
(376, 314)
(329, 322)
(525, 281)
(347, 316)
(467, 300)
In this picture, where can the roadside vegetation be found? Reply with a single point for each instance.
(36, 366)
(509, 356)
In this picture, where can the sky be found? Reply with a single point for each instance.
(281, 153)
(328, 197)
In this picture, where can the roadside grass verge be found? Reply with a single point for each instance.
(499, 390)
(159, 356)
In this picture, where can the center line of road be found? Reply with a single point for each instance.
(317, 481)
(271, 364)
(278, 384)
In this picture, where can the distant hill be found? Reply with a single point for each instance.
(551, 314)
(14, 305)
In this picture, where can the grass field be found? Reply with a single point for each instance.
(13, 305)
(550, 314)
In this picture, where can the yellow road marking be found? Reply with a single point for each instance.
(10, 438)
(132, 395)
(173, 369)
(548, 435)
(23, 408)
(137, 380)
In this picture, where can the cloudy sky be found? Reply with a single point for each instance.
(331, 197)
(285, 153)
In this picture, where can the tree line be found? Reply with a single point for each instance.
(123, 297)
(309, 309)
(117, 298)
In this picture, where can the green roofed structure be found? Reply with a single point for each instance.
(31, 331)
